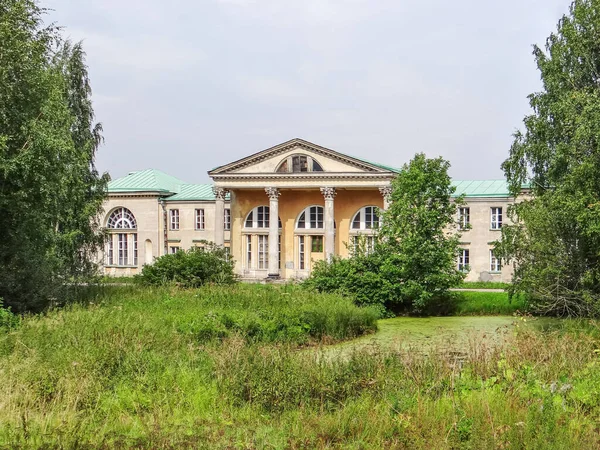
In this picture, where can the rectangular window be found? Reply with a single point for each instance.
(174, 249)
(135, 249)
(248, 252)
(369, 243)
(174, 219)
(263, 252)
(495, 263)
(464, 218)
(227, 253)
(227, 219)
(123, 251)
(463, 260)
(200, 219)
(316, 217)
(110, 251)
(301, 251)
(496, 218)
(317, 244)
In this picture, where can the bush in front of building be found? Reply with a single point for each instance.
(190, 268)
(413, 263)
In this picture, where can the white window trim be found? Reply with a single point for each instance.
(307, 220)
(173, 219)
(227, 219)
(496, 217)
(199, 213)
(464, 224)
(462, 265)
(362, 213)
(497, 267)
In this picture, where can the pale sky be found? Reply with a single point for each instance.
(187, 85)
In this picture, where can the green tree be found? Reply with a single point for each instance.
(50, 191)
(419, 240)
(555, 243)
(413, 265)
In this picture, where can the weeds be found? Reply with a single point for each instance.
(226, 368)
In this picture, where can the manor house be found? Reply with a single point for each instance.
(279, 211)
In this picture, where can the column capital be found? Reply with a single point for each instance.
(328, 192)
(220, 192)
(386, 191)
(273, 193)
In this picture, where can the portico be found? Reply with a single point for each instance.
(292, 205)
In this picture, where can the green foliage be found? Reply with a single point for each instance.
(483, 285)
(128, 370)
(556, 243)
(51, 193)
(8, 320)
(413, 265)
(487, 303)
(192, 268)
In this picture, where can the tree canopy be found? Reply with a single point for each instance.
(413, 264)
(50, 191)
(555, 243)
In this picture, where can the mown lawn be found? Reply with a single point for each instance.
(230, 368)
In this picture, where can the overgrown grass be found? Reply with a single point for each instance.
(483, 285)
(136, 368)
(487, 303)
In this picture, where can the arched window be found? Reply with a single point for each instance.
(366, 218)
(121, 218)
(311, 218)
(122, 244)
(259, 218)
(299, 163)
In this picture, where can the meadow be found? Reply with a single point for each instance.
(241, 367)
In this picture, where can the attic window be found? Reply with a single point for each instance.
(298, 164)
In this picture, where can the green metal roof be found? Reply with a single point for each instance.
(149, 180)
(481, 188)
(196, 192)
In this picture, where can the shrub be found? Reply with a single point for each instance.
(8, 320)
(357, 277)
(191, 268)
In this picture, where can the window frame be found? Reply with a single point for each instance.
(464, 260)
(496, 218)
(495, 263)
(371, 225)
(464, 212)
(174, 219)
(199, 219)
(315, 211)
(227, 219)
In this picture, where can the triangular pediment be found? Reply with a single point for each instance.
(268, 161)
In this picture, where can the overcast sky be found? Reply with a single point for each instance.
(187, 85)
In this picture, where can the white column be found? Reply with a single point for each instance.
(273, 194)
(220, 194)
(329, 219)
(386, 192)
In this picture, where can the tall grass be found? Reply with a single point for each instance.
(137, 368)
(487, 303)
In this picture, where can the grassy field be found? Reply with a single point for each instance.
(487, 303)
(231, 368)
(483, 285)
